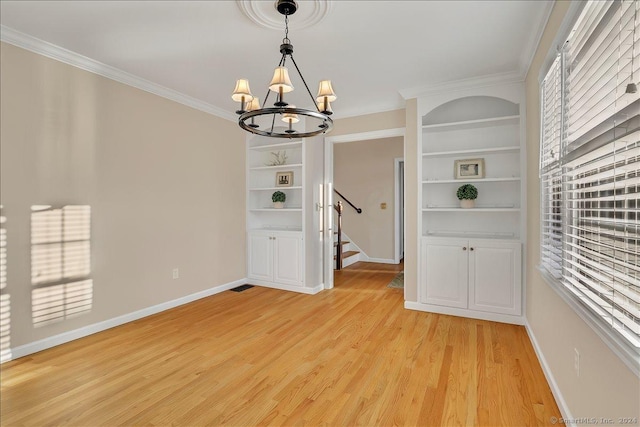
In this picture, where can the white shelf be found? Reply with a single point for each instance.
(478, 152)
(471, 235)
(276, 210)
(278, 167)
(276, 228)
(462, 181)
(275, 188)
(281, 146)
(476, 210)
(492, 121)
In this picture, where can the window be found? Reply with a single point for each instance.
(590, 167)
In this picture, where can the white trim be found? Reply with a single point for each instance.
(463, 85)
(24, 41)
(555, 389)
(464, 312)
(380, 260)
(561, 36)
(291, 288)
(65, 337)
(529, 52)
(625, 352)
(397, 250)
(365, 136)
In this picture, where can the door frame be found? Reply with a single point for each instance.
(329, 141)
(398, 214)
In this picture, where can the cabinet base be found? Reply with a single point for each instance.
(462, 312)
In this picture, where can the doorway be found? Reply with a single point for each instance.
(330, 198)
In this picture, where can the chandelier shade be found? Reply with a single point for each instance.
(325, 92)
(281, 81)
(261, 120)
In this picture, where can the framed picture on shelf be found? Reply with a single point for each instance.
(284, 179)
(469, 169)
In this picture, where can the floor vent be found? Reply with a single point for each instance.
(241, 288)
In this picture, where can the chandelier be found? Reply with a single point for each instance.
(265, 120)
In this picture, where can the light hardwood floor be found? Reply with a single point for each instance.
(345, 357)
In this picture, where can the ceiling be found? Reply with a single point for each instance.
(371, 50)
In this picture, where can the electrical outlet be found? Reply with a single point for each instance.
(576, 361)
(176, 273)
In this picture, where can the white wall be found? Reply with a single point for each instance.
(165, 184)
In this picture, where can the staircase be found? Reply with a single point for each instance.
(349, 256)
(343, 255)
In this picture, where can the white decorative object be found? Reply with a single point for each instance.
(278, 205)
(467, 203)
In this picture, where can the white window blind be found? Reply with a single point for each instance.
(591, 193)
(551, 221)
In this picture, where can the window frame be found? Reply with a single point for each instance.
(626, 351)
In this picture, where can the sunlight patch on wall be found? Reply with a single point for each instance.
(60, 263)
(5, 303)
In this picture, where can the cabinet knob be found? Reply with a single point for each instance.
(464, 248)
(470, 249)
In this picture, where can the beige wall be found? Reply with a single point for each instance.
(605, 387)
(165, 184)
(363, 171)
(371, 122)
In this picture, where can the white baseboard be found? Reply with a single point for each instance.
(380, 260)
(493, 317)
(65, 337)
(557, 394)
(291, 288)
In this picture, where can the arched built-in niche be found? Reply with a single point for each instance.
(470, 108)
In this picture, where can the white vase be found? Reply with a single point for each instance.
(278, 205)
(467, 203)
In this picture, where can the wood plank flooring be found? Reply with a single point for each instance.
(346, 357)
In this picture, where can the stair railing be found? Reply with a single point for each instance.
(339, 209)
(347, 200)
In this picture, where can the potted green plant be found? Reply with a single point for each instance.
(278, 198)
(467, 194)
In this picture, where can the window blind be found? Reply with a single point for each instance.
(551, 221)
(591, 191)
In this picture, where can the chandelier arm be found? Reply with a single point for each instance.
(273, 123)
(313, 101)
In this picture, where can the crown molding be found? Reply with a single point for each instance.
(265, 15)
(463, 84)
(531, 46)
(41, 47)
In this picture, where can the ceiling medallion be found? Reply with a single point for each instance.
(265, 15)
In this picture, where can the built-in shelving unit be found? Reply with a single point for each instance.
(470, 258)
(261, 184)
(279, 247)
(495, 139)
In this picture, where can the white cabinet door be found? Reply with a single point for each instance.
(260, 263)
(494, 277)
(288, 260)
(445, 272)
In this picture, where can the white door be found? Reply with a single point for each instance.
(260, 261)
(494, 277)
(288, 260)
(445, 272)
